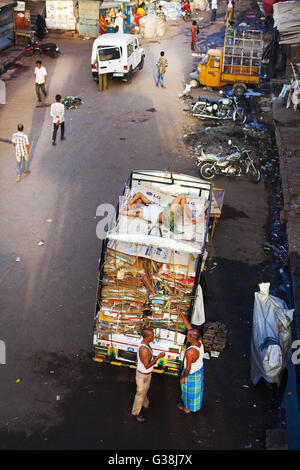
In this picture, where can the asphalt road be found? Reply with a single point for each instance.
(53, 396)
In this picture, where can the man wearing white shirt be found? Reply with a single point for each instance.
(214, 6)
(57, 112)
(40, 75)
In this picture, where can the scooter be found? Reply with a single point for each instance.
(236, 163)
(49, 48)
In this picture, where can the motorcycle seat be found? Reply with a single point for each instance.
(209, 100)
(48, 44)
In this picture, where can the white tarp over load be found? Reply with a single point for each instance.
(271, 336)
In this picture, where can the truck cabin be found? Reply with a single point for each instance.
(210, 68)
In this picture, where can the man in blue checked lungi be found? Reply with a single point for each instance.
(191, 379)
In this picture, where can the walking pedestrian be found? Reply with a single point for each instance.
(40, 75)
(214, 7)
(41, 29)
(57, 111)
(194, 31)
(229, 11)
(191, 379)
(230, 33)
(161, 65)
(145, 364)
(20, 142)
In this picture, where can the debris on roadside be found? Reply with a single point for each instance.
(72, 102)
(214, 338)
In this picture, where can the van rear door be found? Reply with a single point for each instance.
(109, 59)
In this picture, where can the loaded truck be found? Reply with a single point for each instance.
(238, 63)
(153, 254)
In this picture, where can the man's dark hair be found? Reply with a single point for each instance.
(194, 333)
(162, 53)
(194, 23)
(20, 127)
(39, 62)
(232, 23)
(58, 97)
(146, 332)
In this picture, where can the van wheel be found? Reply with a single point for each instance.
(129, 75)
(141, 64)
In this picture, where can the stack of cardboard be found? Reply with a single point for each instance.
(287, 20)
(146, 285)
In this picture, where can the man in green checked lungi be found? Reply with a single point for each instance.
(191, 379)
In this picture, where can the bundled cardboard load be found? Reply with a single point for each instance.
(149, 271)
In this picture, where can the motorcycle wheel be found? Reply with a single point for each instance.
(198, 108)
(254, 173)
(29, 53)
(206, 171)
(239, 116)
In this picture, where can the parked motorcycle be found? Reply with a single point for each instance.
(226, 108)
(236, 163)
(49, 48)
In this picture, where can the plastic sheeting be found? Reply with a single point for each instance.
(271, 336)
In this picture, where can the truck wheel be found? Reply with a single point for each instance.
(239, 89)
(193, 83)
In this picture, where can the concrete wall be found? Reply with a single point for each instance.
(88, 18)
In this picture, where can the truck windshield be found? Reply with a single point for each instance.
(108, 53)
(203, 59)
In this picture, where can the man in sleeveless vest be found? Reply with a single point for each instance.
(191, 379)
(145, 364)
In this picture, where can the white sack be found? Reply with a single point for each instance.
(200, 5)
(148, 26)
(198, 314)
(271, 336)
(161, 27)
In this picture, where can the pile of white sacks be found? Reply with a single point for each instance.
(152, 26)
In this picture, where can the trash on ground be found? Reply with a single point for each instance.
(72, 102)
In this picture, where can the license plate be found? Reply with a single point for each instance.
(118, 74)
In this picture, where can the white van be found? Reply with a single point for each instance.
(119, 55)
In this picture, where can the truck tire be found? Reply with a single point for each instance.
(239, 89)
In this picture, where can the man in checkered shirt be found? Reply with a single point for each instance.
(20, 141)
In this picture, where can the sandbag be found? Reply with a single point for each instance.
(271, 337)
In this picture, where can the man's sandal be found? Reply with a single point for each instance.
(182, 408)
(140, 418)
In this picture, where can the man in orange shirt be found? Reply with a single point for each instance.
(194, 31)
